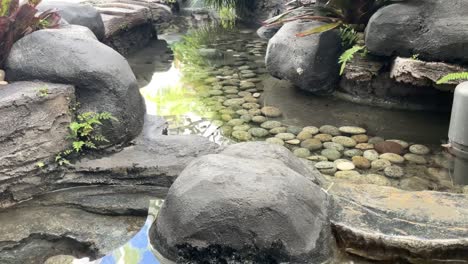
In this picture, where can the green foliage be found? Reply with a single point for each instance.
(415, 57)
(18, 20)
(43, 91)
(349, 36)
(40, 165)
(240, 6)
(348, 55)
(453, 77)
(228, 17)
(84, 135)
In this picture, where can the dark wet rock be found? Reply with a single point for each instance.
(389, 147)
(308, 62)
(267, 32)
(35, 118)
(212, 211)
(104, 82)
(77, 14)
(434, 29)
(389, 224)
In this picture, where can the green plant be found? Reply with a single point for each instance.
(40, 165)
(453, 77)
(348, 55)
(349, 36)
(43, 91)
(415, 57)
(83, 133)
(18, 20)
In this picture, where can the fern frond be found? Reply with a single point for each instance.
(453, 77)
(348, 55)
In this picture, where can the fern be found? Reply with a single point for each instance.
(453, 77)
(349, 36)
(348, 55)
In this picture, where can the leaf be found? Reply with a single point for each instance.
(453, 77)
(347, 56)
(319, 29)
(78, 145)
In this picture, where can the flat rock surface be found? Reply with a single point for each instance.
(385, 223)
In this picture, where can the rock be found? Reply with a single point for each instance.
(235, 122)
(223, 196)
(361, 138)
(375, 140)
(331, 130)
(268, 32)
(387, 224)
(278, 130)
(77, 14)
(361, 162)
(344, 165)
(352, 130)
(234, 102)
(345, 141)
(270, 124)
(241, 135)
(302, 152)
(275, 141)
(348, 174)
(364, 146)
(404, 144)
(415, 158)
(259, 132)
(292, 58)
(325, 165)
(212, 54)
(393, 158)
(415, 184)
(294, 130)
(331, 154)
(103, 80)
(371, 155)
(259, 119)
(380, 164)
(247, 118)
(388, 147)
(311, 129)
(285, 136)
(333, 145)
(3, 83)
(324, 137)
(317, 158)
(303, 135)
(294, 142)
(353, 152)
(270, 111)
(431, 28)
(419, 149)
(60, 259)
(394, 171)
(377, 179)
(244, 127)
(312, 144)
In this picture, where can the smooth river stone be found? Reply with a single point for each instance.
(294, 129)
(361, 162)
(393, 158)
(360, 138)
(278, 130)
(294, 142)
(388, 147)
(236, 122)
(331, 154)
(303, 135)
(242, 112)
(353, 152)
(333, 145)
(331, 130)
(232, 102)
(247, 85)
(247, 118)
(259, 132)
(243, 127)
(270, 124)
(403, 143)
(344, 165)
(276, 141)
(285, 136)
(349, 174)
(419, 149)
(325, 165)
(394, 172)
(324, 137)
(317, 158)
(311, 129)
(352, 130)
(364, 146)
(242, 135)
(371, 155)
(312, 144)
(414, 158)
(302, 152)
(380, 164)
(345, 141)
(271, 111)
(259, 119)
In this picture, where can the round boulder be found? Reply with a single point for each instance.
(244, 206)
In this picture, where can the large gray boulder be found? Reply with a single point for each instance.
(434, 29)
(77, 14)
(244, 205)
(103, 79)
(310, 62)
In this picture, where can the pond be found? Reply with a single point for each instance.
(215, 83)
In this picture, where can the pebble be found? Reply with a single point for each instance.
(344, 165)
(226, 117)
(364, 146)
(331, 154)
(375, 140)
(371, 155)
(216, 92)
(247, 85)
(317, 158)
(325, 165)
(250, 105)
(235, 101)
(236, 122)
(353, 152)
(256, 95)
(241, 112)
(276, 141)
(247, 118)
(226, 130)
(294, 129)
(270, 124)
(347, 174)
(380, 164)
(377, 179)
(388, 147)
(285, 136)
(360, 138)
(352, 130)
(302, 152)
(361, 162)
(392, 157)
(294, 142)
(312, 144)
(331, 130)
(404, 144)
(311, 129)
(419, 149)
(259, 132)
(271, 111)
(324, 137)
(333, 145)
(255, 112)
(414, 158)
(394, 172)
(250, 99)
(244, 127)
(345, 141)
(303, 135)
(242, 135)
(277, 130)
(244, 94)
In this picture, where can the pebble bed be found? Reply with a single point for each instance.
(345, 153)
